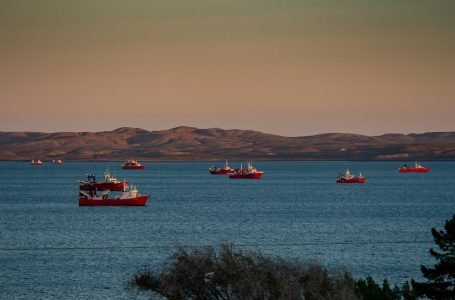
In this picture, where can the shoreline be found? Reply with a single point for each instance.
(235, 160)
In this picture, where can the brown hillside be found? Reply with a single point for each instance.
(189, 143)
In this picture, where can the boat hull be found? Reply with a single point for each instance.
(414, 170)
(138, 201)
(257, 175)
(354, 180)
(133, 167)
(104, 186)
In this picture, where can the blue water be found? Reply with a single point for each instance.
(51, 248)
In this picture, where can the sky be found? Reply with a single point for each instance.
(290, 67)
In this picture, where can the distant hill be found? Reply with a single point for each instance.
(189, 143)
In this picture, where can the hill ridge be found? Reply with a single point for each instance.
(191, 143)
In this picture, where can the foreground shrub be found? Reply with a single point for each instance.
(368, 289)
(225, 274)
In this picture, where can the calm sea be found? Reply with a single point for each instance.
(52, 248)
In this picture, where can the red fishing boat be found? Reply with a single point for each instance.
(416, 169)
(349, 178)
(36, 162)
(214, 170)
(57, 161)
(110, 183)
(132, 165)
(249, 173)
(130, 197)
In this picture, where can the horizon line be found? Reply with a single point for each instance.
(224, 129)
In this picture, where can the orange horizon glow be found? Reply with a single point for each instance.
(292, 68)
